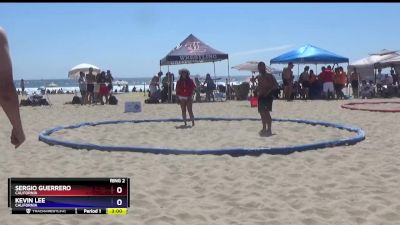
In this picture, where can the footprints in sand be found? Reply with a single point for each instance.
(190, 218)
(310, 221)
(160, 220)
(391, 216)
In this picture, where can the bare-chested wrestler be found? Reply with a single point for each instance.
(287, 78)
(266, 86)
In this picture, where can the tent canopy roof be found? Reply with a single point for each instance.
(192, 50)
(391, 62)
(384, 52)
(309, 54)
(373, 60)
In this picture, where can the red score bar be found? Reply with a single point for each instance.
(79, 190)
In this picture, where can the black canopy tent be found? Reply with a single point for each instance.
(193, 50)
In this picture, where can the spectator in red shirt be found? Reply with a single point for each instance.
(327, 77)
(184, 90)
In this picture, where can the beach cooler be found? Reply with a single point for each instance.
(253, 101)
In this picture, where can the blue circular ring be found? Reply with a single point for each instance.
(360, 135)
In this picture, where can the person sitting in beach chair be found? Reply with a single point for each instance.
(385, 89)
(34, 100)
(366, 90)
(155, 97)
(373, 87)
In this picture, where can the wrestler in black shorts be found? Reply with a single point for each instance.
(265, 103)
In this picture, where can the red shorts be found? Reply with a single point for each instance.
(103, 89)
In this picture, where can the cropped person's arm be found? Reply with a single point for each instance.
(8, 95)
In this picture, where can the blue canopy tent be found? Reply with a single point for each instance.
(309, 54)
(193, 50)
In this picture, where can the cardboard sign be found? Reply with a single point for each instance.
(133, 107)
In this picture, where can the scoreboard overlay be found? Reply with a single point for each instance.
(69, 195)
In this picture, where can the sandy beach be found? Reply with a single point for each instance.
(349, 185)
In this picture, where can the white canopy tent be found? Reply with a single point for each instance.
(366, 66)
(391, 62)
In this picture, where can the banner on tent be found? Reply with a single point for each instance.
(197, 57)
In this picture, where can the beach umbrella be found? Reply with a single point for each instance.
(251, 66)
(83, 67)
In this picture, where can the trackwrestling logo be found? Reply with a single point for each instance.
(194, 47)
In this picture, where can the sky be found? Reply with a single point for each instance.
(48, 39)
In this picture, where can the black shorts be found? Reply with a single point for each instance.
(265, 103)
(305, 84)
(339, 87)
(354, 83)
(287, 82)
(90, 88)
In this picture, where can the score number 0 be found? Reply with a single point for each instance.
(119, 191)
